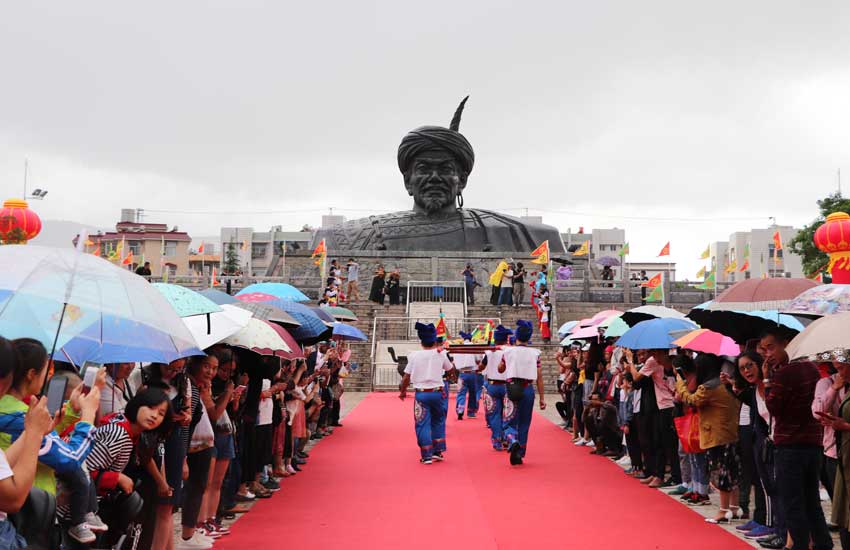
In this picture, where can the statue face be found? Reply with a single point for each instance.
(434, 181)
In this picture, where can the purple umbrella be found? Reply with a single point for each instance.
(608, 261)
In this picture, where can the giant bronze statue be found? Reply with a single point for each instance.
(436, 163)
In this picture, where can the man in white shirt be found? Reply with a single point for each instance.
(521, 367)
(494, 395)
(353, 281)
(467, 365)
(424, 371)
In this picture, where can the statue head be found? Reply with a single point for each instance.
(436, 163)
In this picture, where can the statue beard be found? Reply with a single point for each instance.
(435, 195)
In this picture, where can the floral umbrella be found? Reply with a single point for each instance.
(821, 300)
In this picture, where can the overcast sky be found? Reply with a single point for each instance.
(594, 114)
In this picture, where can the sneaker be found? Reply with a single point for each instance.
(774, 542)
(82, 534)
(516, 457)
(625, 461)
(759, 531)
(219, 527)
(425, 461)
(679, 490)
(590, 443)
(95, 523)
(211, 534)
(581, 442)
(687, 496)
(437, 457)
(196, 542)
(460, 416)
(271, 485)
(749, 526)
(247, 497)
(699, 500)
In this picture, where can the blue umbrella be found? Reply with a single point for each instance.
(566, 328)
(219, 297)
(312, 327)
(56, 294)
(343, 331)
(280, 290)
(115, 340)
(654, 334)
(325, 316)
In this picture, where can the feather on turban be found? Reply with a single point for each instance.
(437, 138)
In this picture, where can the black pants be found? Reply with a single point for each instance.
(827, 474)
(287, 441)
(336, 408)
(633, 444)
(199, 473)
(247, 446)
(578, 408)
(797, 479)
(749, 476)
(667, 446)
(646, 433)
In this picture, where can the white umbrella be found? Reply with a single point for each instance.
(827, 339)
(260, 337)
(213, 328)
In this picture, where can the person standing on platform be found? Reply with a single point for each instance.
(467, 366)
(495, 389)
(424, 371)
(521, 367)
(353, 293)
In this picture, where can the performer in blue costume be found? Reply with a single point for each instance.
(424, 371)
(494, 395)
(521, 367)
(467, 366)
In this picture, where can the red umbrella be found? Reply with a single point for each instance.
(760, 294)
(296, 352)
(256, 297)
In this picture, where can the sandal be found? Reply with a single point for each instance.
(725, 518)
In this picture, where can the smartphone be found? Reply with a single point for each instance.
(56, 394)
(89, 377)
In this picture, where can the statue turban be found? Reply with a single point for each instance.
(437, 138)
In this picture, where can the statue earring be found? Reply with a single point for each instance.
(459, 200)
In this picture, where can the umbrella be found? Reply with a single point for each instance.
(312, 328)
(215, 327)
(821, 300)
(616, 328)
(219, 297)
(116, 340)
(606, 315)
(608, 261)
(708, 341)
(341, 313)
(586, 333)
(297, 352)
(282, 291)
(268, 312)
(654, 334)
(343, 331)
(760, 294)
(186, 302)
(566, 328)
(55, 294)
(644, 313)
(320, 312)
(743, 326)
(259, 337)
(827, 339)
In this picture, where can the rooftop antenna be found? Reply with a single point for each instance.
(26, 169)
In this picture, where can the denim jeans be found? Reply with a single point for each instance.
(797, 480)
(517, 418)
(83, 494)
(505, 296)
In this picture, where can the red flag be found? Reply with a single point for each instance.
(654, 282)
(129, 259)
(213, 282)
(665, 251)
(777, 241)
(746, 266)
(442, 330)
(201, 249)
(321, 251)
(541, 254)
(96, 251)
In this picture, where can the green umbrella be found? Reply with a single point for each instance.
(340, 313)
(617, 327)
(186, 302)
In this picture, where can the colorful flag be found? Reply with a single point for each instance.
(624, 251)
(701, 272)
(96, 251)
(709, 283)
(747, 251)
(654, 282)
(201, 248)
(213, 282)
(541, 254)
(705, 253)
(442, 330)
(583, 250)
(665, 251)
(731, 268)
(319, 253)
(128, 260)
(657, 294)
(777, 241)
(745, 266)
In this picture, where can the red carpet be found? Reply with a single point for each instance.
(364, 488)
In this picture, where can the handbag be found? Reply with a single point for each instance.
(687, 428)
(516, 390)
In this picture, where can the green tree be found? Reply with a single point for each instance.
(231, 260)
(813, 259)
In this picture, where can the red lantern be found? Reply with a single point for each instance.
(833, 237)
(17, 222)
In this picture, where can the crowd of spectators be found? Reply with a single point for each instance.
(764, 434)
(132, 445)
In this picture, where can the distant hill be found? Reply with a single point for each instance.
(61, 233)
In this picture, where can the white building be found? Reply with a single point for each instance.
(262, 253)
(752, 255)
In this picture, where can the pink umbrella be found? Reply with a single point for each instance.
(708, 341)
(585, 332)
(295, 352)
(606, 314)
(760, 294)
(256, 297)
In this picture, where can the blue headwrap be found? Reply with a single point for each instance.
(427, 333)
(501, 334)
(524, 330)
(512, 340)
(464, 335)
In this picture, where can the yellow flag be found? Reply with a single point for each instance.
(705, 253)
(701, 272)
(584, 250)
(541, 254)
(731, 268)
